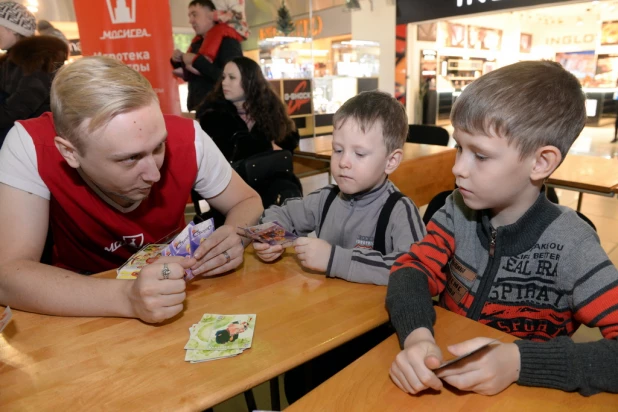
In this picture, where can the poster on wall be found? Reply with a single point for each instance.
(455, 35)
(401, 34)
(426, 31)
(607, 70)
(581, 64)
(297, 96)
(481, 38)
(609, 33)
(136, 32)
(525, 43)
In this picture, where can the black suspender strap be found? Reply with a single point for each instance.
(334, 191)
(379, 240)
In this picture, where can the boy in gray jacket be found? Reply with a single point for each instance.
(369, 132)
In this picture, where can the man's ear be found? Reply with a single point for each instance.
(393, 160)
(546, 160)
(68, 151)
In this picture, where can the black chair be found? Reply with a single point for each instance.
(420, 133)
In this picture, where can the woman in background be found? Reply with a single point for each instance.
(27, 68)
(244, 116)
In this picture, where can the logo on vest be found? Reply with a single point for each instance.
(458, 268)
(135, 241)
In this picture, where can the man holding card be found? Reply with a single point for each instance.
(108, 173)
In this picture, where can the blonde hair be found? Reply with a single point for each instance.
(95, 90)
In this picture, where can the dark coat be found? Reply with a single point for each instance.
(200, 86)
(230, 133)
(26, 74)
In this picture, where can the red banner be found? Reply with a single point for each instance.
(137, 32)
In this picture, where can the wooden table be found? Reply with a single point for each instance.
(365, 385)
(586, 174)
(425, 170)
(56, 363)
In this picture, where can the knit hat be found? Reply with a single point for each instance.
(17, 17)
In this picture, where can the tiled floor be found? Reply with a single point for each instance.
(602, 211)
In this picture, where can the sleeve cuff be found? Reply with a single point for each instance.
(546, 364)
(339, 263)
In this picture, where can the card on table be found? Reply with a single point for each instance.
(5, 318)
(198, 355)
(272, 233)
(222, 332)
(465, 355)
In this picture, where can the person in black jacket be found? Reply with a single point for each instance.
(197, 70)
(27, 68)
(244, 116)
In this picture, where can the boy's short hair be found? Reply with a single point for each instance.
(204, 3)
(369, 108)
(531, 103)
(97, 89)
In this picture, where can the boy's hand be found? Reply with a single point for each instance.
(412, 369)
(267, 252)
(488, 372)
(313, 253)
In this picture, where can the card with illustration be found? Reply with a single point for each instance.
(465, 355)
(272, 233)
(5, 318)
(145, 256)
(199, 233)
(197, 355)
(222, 332)
(181, 245)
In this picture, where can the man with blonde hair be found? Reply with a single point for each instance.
(107, 172)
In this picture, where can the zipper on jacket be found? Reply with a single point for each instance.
(486, 281)
(345, 222)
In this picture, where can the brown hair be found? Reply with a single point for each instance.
(261, 102)
(532, 104)
(88, 93)
(369, 108)
(38, 54)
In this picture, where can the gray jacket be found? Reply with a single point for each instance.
(350, 226)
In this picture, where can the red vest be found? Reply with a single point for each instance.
(90, 235)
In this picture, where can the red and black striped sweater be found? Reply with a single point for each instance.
(537, 279)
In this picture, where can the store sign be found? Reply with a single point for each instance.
(303, 28)
(569, 39)
(414, 11)
(136, 32)
(297, 96)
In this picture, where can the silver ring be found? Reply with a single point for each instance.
(227, 256)
(166, 271)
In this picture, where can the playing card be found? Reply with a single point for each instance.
(272, 233)
(145, 256)
(197, 355)
(181, 245)
(5, 318)
(199, 233)
(222, 332)
(465, 355)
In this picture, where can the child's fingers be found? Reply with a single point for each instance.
(302, 241)
(260, 246)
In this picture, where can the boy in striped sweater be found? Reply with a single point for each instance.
(500, 253)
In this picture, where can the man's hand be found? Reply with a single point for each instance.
(267, 252)
(313, 253)
(154, 299)
(487, 372)
(177, 55)
(187, 58)
(412, 369)
(220, 252)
